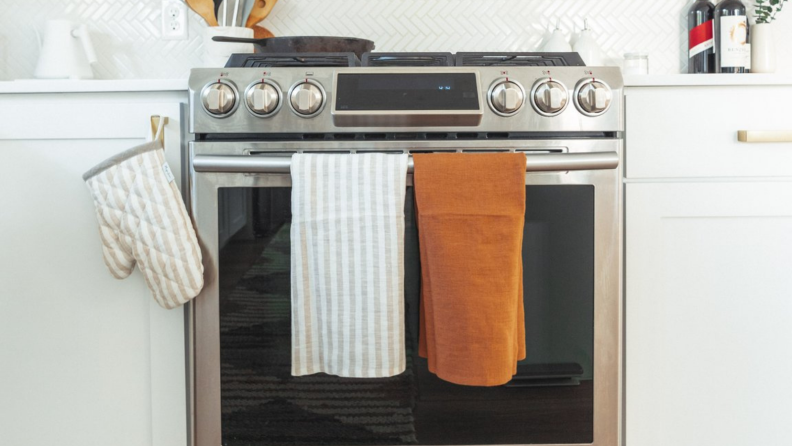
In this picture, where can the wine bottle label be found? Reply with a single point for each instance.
(735, 52)
(700, 38)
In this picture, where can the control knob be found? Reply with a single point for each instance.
(593, 97)
(506, 97)
(307, 98)
(549, 97)
(262, 98)
(219, 99)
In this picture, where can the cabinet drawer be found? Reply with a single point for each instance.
(679, 132)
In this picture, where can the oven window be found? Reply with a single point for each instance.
(549, 401)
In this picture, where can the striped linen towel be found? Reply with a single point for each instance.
(347, 244)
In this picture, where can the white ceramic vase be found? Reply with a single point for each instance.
(763, 53)
(587, 47)
(555, 42)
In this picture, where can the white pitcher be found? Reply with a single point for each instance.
(66, 51)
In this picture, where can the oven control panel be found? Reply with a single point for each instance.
(449, 99)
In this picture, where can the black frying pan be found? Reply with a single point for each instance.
(310, 44)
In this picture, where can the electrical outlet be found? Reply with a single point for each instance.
(174, 20)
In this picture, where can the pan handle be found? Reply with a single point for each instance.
(262, 42)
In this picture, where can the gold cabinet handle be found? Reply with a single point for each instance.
(764, 135)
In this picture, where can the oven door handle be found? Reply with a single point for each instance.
(551, 162)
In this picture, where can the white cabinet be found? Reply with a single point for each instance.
(708, 277)
(85, 359)
(709, 305)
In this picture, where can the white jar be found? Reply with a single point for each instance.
(636, 63)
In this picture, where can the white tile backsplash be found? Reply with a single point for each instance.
(127, 34)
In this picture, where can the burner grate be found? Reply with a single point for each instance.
(267, 60)
(519, 60)
(408, 60)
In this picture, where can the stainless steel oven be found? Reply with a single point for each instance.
(566, 391)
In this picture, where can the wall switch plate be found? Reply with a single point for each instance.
(174, 20)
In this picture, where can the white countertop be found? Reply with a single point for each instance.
(706, 80)
(91, 86)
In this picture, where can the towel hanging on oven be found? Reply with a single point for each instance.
(347, 264)
(471, 213)
(143, 221)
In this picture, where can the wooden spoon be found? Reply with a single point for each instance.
(261, 9)
(259, 32)
(205, 9)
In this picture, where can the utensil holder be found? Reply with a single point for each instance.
(216, 54)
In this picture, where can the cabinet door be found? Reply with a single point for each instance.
(708, 314)
(85, 359)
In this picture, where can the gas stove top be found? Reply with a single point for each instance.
(405, 60)
(320, 94)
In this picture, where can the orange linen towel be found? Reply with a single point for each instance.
(471, 212)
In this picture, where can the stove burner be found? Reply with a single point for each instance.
(408, 60)
(267, 60)
(518, 60)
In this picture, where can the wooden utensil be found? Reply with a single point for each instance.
(261, 9)
(205, 9)
(259, 32)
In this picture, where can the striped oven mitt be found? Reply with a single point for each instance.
(143, 221)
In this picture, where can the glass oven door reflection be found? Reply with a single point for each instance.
(549, 401)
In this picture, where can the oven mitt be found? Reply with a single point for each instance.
(143, 221)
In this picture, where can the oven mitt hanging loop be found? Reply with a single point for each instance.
(143, 221)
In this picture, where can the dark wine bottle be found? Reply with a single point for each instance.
(701, 51)
(732, 44)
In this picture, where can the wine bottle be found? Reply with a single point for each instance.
(701, 51)
(732, 44)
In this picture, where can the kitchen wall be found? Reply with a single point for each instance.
(126, 34)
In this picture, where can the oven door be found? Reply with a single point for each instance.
(243, 391)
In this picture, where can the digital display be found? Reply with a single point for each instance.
(407, 91)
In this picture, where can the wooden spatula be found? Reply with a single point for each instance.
(205, 9)
(261, 9)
